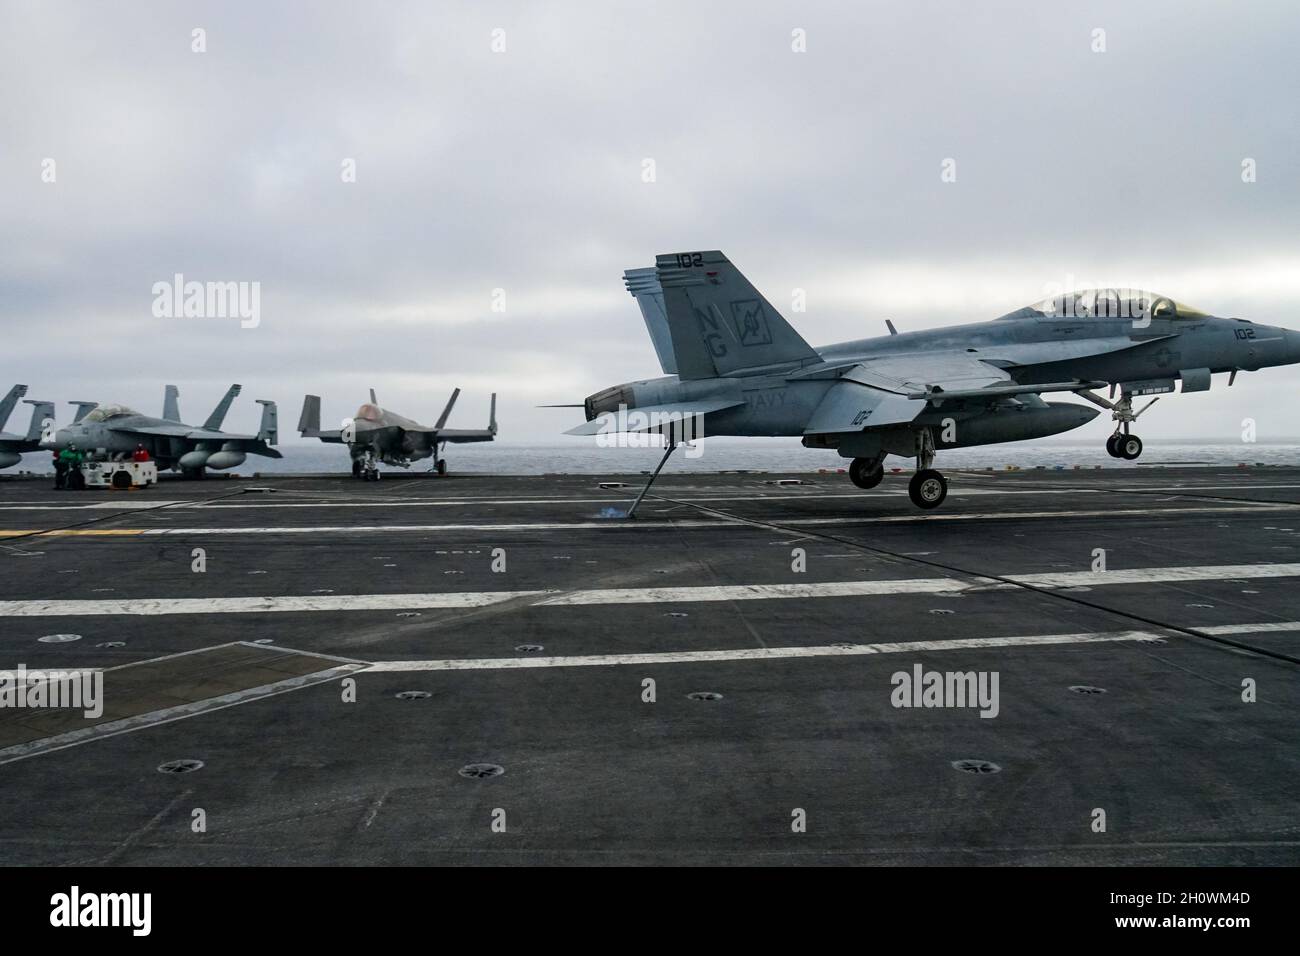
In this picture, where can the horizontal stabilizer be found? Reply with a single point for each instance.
(651, 418)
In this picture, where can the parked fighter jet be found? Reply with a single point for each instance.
(376, 435)
(12, 446)
(738, 368)
(109, 430)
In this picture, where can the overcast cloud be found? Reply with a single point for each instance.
(522, 171)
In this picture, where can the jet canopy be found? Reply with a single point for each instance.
(1108, 304)
(368, 413)
(102, 413)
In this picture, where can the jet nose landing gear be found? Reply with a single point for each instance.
(1120, 445)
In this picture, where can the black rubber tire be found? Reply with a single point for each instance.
(927, 489)
(121, 479)
(1129, 447)
(1110, 446)
(861, 474)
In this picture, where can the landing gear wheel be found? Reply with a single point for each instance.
(1110, 446)
(864, 475)
(442, 466)
(1129, 447)
(356, 469)
(928, 488)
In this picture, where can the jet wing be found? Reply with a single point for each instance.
(246, 443)
(895, 389)
(652, 418)
(920, 371)
(459, 435)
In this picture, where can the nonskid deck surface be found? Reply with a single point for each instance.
(533, 615)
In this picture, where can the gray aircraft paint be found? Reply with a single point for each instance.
(12, 446)
(375, 434)
(117, 430)
(743, 370)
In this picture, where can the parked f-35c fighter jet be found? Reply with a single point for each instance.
(13, 446)
(736, 367)
(110, 430)
(377, 435)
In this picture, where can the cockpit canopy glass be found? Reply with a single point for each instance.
(1109, 304)
(368, 413)
(101, 413)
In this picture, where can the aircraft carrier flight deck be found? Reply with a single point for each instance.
(478, 669)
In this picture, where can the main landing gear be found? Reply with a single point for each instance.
(365, 467)
(927, 489)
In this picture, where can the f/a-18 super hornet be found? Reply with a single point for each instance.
(736, 367)
(13, 446)
(110, 430)
(377, 435)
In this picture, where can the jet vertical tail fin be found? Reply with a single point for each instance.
(213, 424)
(492, 415)
(171, 407)
(269, 431)
(41, 413)
(719, 323)
(9, 401)
(649, 295)
(83, 409)
(373, 400)
(309, 420)
(446, 412)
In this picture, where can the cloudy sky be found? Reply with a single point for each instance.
(522, 170)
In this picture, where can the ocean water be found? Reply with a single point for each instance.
(776, 455)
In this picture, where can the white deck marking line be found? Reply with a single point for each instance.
(257, 605)
(154, 718)
(757, 653)
(756, 592)
(647, 595)
(1271, 627)
(1157, 575)
(618, 524)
